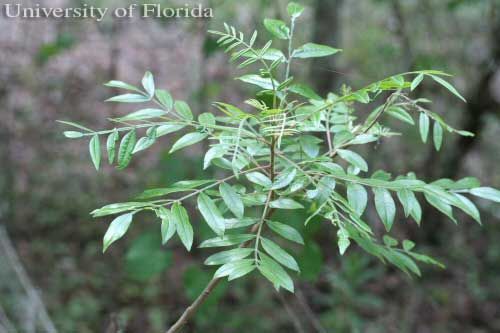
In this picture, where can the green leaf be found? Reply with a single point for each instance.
(385, 206)
(121, 85)
(207, 119)
(117, 208)
(95, 150)
(181, 186)
(285, 231)
(269, 54)
(312, 50)
(235, 269)
(310, 145)
(448, 86)
(325, 187)
(211, 154)
(409, 201)
(211, 213)
(259, 179)
(466, 183)
(437, 132)
(226, 240)
(167, 225)
(284, 179)
(277, 28)
(353, 158)
(401, 114)
(232, 199)
(188, 140)
(343, 241)
(149, 84)
(111, 145)
(143, 143)
(275, 251)
(144, 114)
(126, 148)
(357, 197)
(426, 259)
(225, 257)
(192, 183)
(424, 126)
(487, 193)
(264, 83)
(129, 98)
(73, 134)
(165, 99)
(408, 245)
(285, 203)
(362, 97)
(235, 223)
(275, 273)
(467, 206)
(416, 81)
(294, 10)
(304, 90)
(362, 139)
(389, 241)
(184, 228)
(183, 110)
(168, 128)
(116, 230)
(402, 261)
(440, 204)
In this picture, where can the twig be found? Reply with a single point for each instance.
(33, 295)
(293, 317)
(308, 311)
(191, 310)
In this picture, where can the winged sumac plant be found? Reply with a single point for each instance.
(285, 149)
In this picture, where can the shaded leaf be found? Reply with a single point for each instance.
(275, 273)
(226, 240)
(280, 255)
(437, 133)
(385, 206)
(232, 199)
(183, 110)
(182, 225)
(285, 203)
(211, 213)
(424, 126)
(285, 231)
(353, 158)
(126, 148)
(95, 151)
(277, 27)
(224, 257)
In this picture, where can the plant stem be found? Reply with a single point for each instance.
(257, 228)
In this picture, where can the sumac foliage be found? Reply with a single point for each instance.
(285, 148)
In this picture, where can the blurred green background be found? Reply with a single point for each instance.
(54, 69)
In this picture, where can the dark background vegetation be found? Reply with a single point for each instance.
(54, 69)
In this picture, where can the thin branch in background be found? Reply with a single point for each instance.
(6, 325)
(293, 316)
(302, 300)
(33, 296)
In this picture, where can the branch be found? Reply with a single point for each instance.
(193, 308)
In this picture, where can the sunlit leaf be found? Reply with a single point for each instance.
(116, 230)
